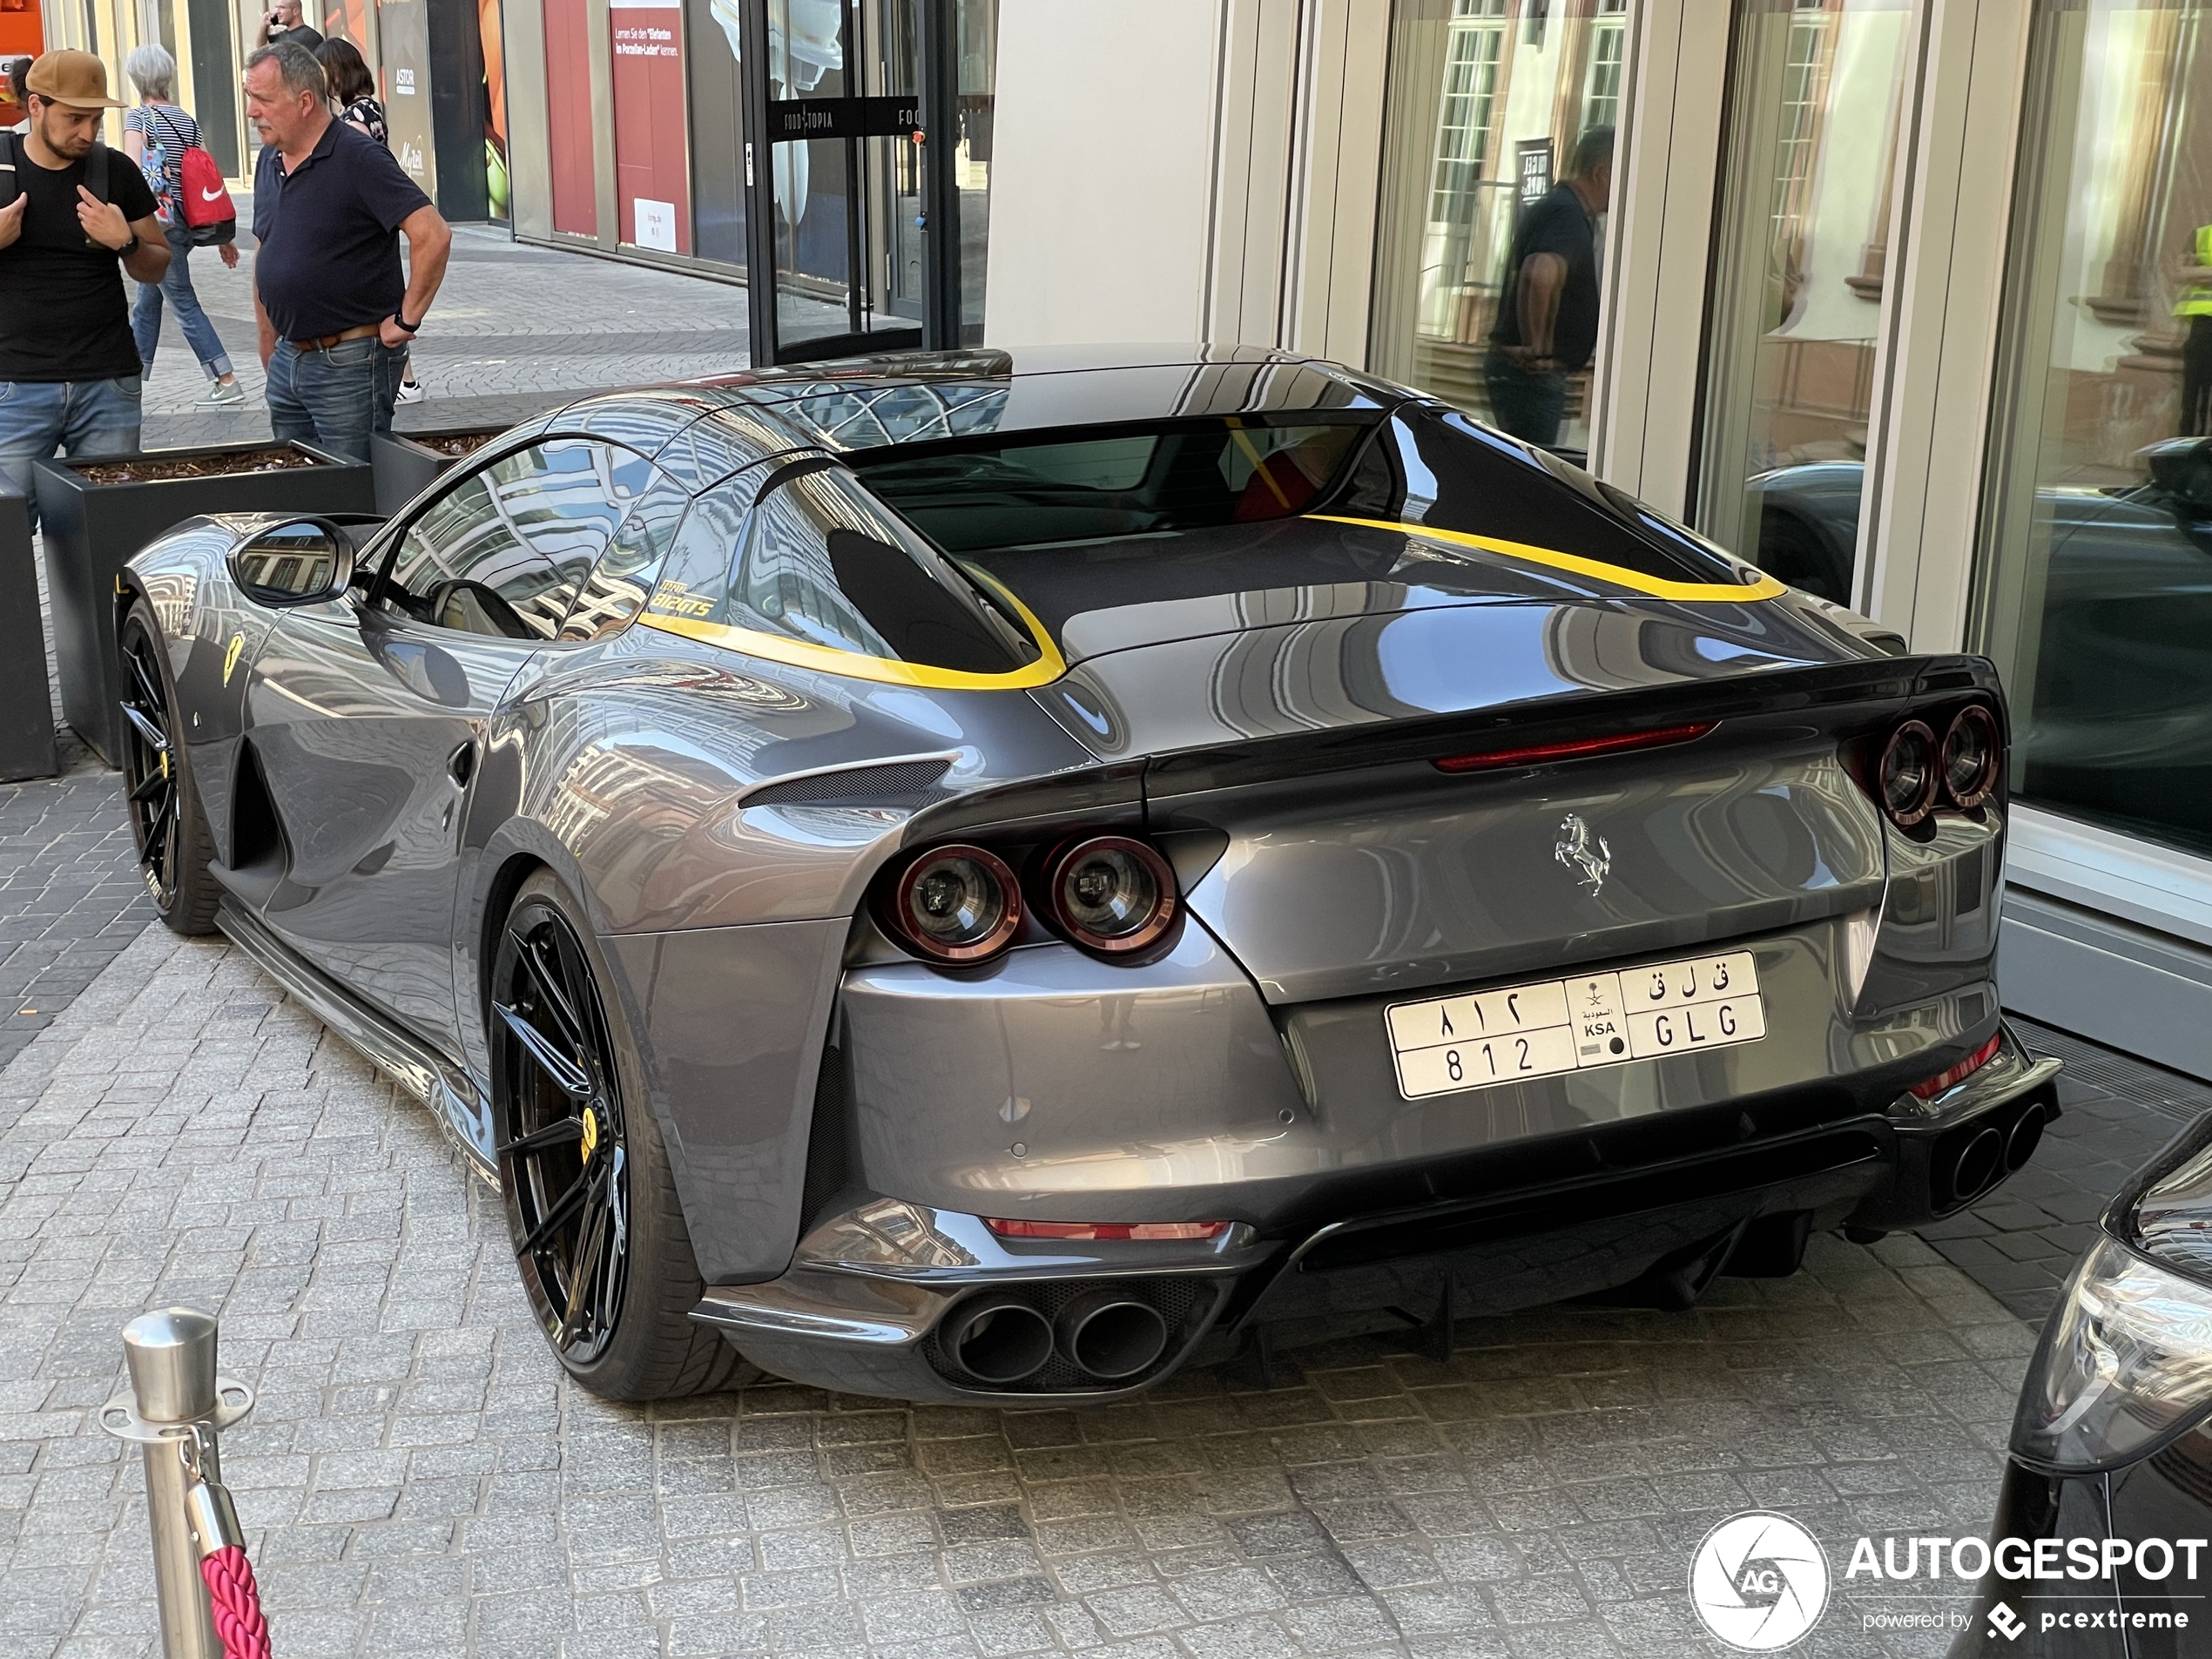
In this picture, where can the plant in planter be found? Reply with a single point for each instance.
(408, 464)
(97, 514)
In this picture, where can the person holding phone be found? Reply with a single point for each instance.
(283, 22)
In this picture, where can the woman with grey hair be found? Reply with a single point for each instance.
(159, 126)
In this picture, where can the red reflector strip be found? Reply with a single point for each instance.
(1106, 1230)
(1954, 1075)
(1574, 748)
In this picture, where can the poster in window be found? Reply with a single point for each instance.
(652, 187)
(403, 32)
(495, 50)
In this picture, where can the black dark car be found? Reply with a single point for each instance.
(2103, 1543)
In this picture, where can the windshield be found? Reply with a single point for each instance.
(971, 494)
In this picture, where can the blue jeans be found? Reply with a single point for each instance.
(1528, 402)
(199, 334)
(334, 396)
(76, 417)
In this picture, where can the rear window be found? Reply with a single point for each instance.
(1438, 469)
(1035, 489)
(817, 561)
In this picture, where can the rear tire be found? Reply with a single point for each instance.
(590, 1199)
(168, 824)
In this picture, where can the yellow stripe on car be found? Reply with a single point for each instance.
(885, 670)
(1726, 592)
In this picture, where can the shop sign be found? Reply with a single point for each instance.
(794, 119)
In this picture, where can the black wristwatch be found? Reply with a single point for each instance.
(399, 322)
(129, 247)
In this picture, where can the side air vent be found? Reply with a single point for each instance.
(898, 783)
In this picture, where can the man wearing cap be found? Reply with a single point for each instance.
(335, 310)
(69, 368)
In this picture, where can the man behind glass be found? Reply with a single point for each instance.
(68, 367)
(1546, 326)
(335, 310)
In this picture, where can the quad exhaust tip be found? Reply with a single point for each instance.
(1978, 1162)
(1110, 1334)
(1107, 1333)
(997, 1339)
(1981, 1161)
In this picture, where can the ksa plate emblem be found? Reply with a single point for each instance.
(1583, 850)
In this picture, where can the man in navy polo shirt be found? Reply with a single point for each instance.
(335, 311)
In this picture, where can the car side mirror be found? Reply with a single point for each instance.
(305, 562)
(2182, 467)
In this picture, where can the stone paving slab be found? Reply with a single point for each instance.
(421, 1477)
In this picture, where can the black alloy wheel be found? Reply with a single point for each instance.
(591, 1198)
(167, 825)
(564, 1157)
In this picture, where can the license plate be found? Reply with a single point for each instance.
(1485, 1038)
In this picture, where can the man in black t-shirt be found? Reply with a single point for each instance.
(1546, 326)
(69, 368)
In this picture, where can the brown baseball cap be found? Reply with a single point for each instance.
(77, 79)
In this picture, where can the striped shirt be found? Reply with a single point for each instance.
(176, 132)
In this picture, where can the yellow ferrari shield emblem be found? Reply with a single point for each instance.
(591, 1134)
(231, 656)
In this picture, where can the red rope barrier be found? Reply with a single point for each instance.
(238, 1603)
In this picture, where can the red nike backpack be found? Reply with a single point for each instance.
(207, 201)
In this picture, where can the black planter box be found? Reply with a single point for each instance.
(408, 464)
(26, 701)
(92, 530)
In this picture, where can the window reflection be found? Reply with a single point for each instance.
(1489, 102)
(1798, 295)
(2094, 589)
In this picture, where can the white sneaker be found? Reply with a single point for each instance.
(410, 391)
(222, 392)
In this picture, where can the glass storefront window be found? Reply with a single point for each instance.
(1489, 104)
(2095, 578)
(976, 39)
(1797, 296)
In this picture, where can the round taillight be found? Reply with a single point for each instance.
(1971, 757)
(1908, 774)
(1110, 894)
(956, 904)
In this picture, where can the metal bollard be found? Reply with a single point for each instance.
(175, 1408)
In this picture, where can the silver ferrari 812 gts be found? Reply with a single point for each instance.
(993, 876)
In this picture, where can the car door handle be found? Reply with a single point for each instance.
(462, 763)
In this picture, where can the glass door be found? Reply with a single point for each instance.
(1797, 304)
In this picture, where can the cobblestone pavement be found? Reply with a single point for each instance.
(420, 1477)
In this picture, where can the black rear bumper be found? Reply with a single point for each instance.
(1649, 1210)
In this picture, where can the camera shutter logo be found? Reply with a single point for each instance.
(1759, 1581)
